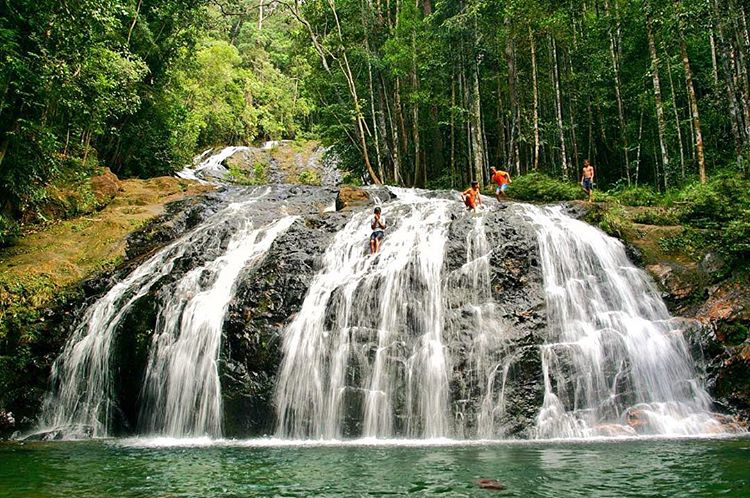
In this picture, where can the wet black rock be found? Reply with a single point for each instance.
(267, 298)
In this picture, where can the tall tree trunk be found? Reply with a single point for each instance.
(678, 126)
(734, 112)
(419, 173)
(714, 63)
(558, 107)
(260, 15)
(661, 121)
(638, 153)
(397, 179)
(510, 58)
(742, 73)
(400, 118)
(535, 83)
(373, 114)
(453, 129)
(614, 51)
(476, 114)
(693, 101)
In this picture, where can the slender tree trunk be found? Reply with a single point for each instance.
(614, 43)
(419, 173)
(558, 107)
(397, 179)
(661, 121)
(638, 154)
(260, 15)
(742, 73)
(535, 83)
(478, 139)
(678, 126)
(693, 100)
(735, 116)
(375, 131)
(510, 58)
(400, 117)
(714, 63)
(453, 129)
(135, 19)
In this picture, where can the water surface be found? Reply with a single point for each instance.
(649, 467)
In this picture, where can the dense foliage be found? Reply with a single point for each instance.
(428, 93)
(654, 92)
(136, 85)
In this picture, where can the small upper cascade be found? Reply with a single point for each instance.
(182, 388)
(365, 354)
(209, 165)
(81, 401)
(614, 360)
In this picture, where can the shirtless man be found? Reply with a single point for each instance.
(587, 179)
(471, 196)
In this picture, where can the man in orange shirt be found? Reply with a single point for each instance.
(471, 196)
(502, 179)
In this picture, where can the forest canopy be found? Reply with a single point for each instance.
(425, 93)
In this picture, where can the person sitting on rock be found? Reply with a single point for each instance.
(378, 231)
(471, 196)
(502, 179)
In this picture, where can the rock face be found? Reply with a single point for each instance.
(517, 289)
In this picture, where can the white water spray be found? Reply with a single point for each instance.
(210, 167)
(365, 356)
(182, 379)
(81, 402)
(614, 362)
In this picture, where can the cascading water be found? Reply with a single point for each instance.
(210, 166)
(613, 359)
(182, 380)
(182, 372)
(365, 354)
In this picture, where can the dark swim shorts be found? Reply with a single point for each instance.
(587, 184)
(377, 234)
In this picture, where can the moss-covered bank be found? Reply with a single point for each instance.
(47, 276)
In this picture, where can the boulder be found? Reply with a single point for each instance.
(105, 187)
(350, 196)
(673, 280)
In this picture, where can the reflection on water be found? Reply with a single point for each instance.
(126, 468)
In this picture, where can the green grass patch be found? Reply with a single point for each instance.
(542, 188)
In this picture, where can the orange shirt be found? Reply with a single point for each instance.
(472, 195)
(500, 177)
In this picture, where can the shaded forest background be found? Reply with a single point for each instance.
(414, 92)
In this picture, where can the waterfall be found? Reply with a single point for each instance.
(365, 354)
(82, 397)
(182, 381)
(613, 360)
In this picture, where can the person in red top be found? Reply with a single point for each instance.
(502, 179)
(471, 196)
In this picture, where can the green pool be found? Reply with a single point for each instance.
(651, 467)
